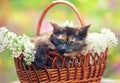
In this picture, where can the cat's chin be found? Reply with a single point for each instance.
(72, 54)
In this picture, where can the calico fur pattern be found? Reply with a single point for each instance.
(66, 40)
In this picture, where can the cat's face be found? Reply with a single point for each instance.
(68, 39)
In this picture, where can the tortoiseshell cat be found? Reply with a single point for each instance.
(66, 40)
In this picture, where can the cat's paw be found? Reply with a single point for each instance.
(40, 56)
(40, 61)
(51, 46)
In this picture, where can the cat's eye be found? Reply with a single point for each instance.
(72, 43)
(61, 40)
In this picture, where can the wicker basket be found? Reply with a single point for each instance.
(89, 69)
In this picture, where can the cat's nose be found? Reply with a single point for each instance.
(62, 49)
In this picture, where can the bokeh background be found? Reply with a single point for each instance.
(22, 16)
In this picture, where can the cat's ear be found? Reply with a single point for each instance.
(56, 27)
(83, 31)
(85, 28)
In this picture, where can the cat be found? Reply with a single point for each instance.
(68, 41)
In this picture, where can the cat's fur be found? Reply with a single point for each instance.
(68, 41)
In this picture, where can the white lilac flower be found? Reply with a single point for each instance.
(68, 23)
(17, 44)
(3, 30)
(110, 37)
(29, 52)
(3, 41)
(1, 48)
(98, 42)
(28, 47)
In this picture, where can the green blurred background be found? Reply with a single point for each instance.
(22, 16)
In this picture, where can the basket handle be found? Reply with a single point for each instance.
(53, 4)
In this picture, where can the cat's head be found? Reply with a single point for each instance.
(68, 39)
